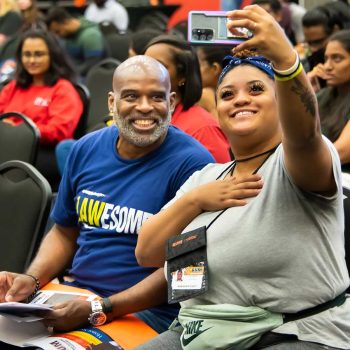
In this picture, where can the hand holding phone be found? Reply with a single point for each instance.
(210, 28)
(269, 39)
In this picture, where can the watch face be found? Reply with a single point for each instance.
(98, 318)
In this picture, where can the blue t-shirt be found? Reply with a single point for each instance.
(110, 197)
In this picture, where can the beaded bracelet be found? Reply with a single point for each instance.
(37, 287)
(289, 71)
(292, 76)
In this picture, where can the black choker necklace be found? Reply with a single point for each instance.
(257, 155)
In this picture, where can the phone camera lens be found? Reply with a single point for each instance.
(202, 34)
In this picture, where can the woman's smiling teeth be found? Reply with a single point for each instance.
(243, 113)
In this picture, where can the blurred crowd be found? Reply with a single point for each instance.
(42, 57)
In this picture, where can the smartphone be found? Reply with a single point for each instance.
(210, 27)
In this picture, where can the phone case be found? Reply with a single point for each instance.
(209, 28)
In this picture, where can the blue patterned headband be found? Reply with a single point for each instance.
(260, 62)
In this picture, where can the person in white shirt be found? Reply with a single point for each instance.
(108, 10)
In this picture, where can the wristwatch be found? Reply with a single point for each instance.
(97, 316)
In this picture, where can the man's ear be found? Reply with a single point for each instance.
(111, 98)
(172, 98)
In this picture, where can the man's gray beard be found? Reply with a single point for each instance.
(127, 131)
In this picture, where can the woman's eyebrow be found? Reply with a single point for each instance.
(255, 81)
(230, 86)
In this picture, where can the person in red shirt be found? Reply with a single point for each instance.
(182, 63)
(43, 89)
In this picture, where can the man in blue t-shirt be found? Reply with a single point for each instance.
(115, 179)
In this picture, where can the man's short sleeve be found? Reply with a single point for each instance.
(64, 212)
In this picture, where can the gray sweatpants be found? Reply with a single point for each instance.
(170, 340)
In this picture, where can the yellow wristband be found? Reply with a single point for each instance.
(292, 76)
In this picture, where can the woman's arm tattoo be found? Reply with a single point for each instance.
(306, 96)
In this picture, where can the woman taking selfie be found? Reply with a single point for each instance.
(261, 251)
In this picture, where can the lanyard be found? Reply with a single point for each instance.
(231, 168)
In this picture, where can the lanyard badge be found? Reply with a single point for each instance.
(187, 265)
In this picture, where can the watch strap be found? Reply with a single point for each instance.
(107, 306)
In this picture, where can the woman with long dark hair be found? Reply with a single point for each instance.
(42, 88)
(210, 58)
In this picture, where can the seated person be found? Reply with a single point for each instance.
(297, 12)
(10, 19)
(182, 63)
(140, 39)
(43, 91)
(42, 88)
(30, 12)
(334, 100)
(82, 39)
(108, 10)
(318, 24)
(210, 58)
(115, 179)
(281, 13)
(273, 218)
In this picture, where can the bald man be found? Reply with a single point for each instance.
(114, 180)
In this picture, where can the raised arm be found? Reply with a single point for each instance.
(342, 144)
(217, 195)
(307, 157)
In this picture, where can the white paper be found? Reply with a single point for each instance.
(23, 328)
(43, 301)
(18, 334)
(15, 308)
(29, 318)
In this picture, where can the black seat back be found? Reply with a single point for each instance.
(118, 45)
(25, 199)
(107, 27)
(99, 82)
(18, 141)
(84, 94)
